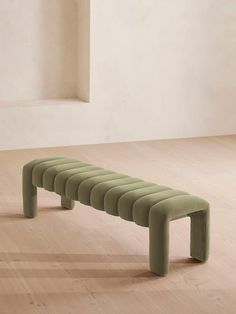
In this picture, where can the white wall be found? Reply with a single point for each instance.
(159, 69)
(38, 49)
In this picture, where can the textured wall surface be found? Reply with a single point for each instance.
(38, 44)
(159, 69)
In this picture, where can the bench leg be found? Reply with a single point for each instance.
(29, 195)
(67, 203)
(199, 246)
(159, 245)
(159, 239)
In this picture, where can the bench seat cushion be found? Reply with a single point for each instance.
(117, 194)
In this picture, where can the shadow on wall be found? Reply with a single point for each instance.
(59, 42)
(39, 56)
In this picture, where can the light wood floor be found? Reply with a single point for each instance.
(85, 261)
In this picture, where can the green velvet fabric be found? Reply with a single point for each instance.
(145, 203)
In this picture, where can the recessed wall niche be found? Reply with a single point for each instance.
(44, 47)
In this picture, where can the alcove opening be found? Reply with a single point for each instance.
(44, 50)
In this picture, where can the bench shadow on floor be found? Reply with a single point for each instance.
(76, 272)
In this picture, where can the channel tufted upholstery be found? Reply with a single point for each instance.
(145, 203)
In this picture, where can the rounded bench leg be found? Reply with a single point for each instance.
(29, 192)
(67, 202)
(29, 195)
(159, 245)
(199, 245)
(159, 238)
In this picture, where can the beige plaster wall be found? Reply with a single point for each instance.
(159, 69)
(38, 49)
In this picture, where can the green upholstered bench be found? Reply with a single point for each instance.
(147, 204)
